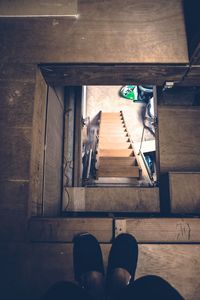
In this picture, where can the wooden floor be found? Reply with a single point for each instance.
(167, 247)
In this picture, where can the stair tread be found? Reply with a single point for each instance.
(115, 140)
(116, 171)
(120, 161)
(106, 145)
(116, 152)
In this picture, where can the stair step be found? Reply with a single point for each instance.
(108, 129)
(110, 114)
(106, 138)
(116, 152)
(113, 135)
(113, 182)
(110, 145)
(117, 171)
(112, 127)
(119, 161)
(112, 121)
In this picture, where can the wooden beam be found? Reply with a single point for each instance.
(64, 230)
(111, 199)
(112, 74)
(157, 230)
(145, 230)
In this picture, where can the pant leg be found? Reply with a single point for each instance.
(66, 291)
(150, 287)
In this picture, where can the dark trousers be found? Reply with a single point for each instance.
(147, 287)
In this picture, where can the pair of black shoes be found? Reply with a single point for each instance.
(88, 259)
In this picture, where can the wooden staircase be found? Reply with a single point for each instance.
(115, 155)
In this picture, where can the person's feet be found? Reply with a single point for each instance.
(122, 263)
(88, 265)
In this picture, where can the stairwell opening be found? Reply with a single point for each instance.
(99, 152)
(110, 159)
(118, 136)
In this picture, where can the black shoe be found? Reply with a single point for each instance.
(123, 255)
(87, 256)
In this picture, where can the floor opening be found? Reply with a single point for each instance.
(118, 136)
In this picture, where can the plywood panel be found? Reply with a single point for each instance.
(184, 192)
(117, 199)
(131, 28)
(179, 136)
(157, 230)
(38, 8)
(53, 152)
(65, 229)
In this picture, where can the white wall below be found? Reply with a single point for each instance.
(107, 99)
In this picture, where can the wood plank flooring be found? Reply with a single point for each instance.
(165, 250)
